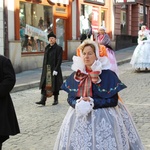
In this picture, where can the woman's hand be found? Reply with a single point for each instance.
(85, 99)
(84, 106)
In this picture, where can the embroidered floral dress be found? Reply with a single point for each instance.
(141, 56)
(108, 126)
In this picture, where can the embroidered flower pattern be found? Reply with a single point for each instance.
(102, 129)
(98, 86)
(110, 90)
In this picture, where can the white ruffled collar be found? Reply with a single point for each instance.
(102, 63)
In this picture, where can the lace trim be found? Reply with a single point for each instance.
(102, 129)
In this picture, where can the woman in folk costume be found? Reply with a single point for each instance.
(141, 56)
(104, 45)
(96, 120)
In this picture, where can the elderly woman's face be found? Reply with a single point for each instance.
(88, 56)
(101, 31)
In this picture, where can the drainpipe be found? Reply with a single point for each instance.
(6, 47)
(144, 12)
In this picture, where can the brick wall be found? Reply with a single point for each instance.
(135, 20)
(117, 20)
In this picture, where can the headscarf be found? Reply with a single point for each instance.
(101, 61)
(102, 27)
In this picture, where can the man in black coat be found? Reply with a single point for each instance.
(52, 70)
(8, 120)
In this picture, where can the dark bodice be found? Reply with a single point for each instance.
(105, 93)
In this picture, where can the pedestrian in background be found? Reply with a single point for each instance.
(8, 120)
(40, 24)
(141, 56)
(96, 118)
(104, 42)
(51, 77)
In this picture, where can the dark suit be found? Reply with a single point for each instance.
(8, 119)
(53, 57)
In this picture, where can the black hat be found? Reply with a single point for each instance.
(51, 34)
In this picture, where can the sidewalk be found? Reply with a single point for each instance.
(31, 78)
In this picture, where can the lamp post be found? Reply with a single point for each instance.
(144, 12)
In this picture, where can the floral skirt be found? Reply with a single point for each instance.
(102, 129)
(141, 57)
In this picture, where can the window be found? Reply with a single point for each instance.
(123, 21)
(103, 18)
(38, 18)
(143, 18)
(85, 21)
(60, 32)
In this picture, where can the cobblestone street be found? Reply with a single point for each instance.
(39, 125)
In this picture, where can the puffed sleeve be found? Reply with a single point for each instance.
(109, 86)
(72, 100)
(105, 94)
(70, 85)
(105, 102)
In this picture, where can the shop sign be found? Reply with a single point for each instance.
(64, 2)
(60, 10)
(36, 33)
(95, 18)
(125, 2)
(98, 2)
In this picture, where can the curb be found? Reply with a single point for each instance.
(123, 61)
(22, 87)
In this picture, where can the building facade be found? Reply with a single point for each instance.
(129, 16)
(87, 16)
(29, 21)
(93, 14)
